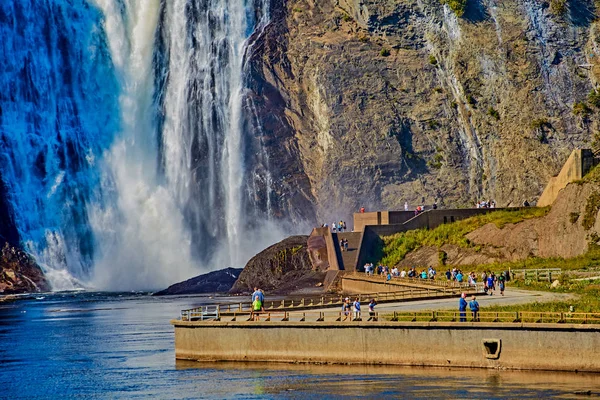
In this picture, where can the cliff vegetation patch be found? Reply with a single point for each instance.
(397, 246)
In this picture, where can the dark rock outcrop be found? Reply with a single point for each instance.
(213, 282)
(282, 268)
(19, 272)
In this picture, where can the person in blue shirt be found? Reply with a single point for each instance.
(462, 307)
(474, 306)
(459, 276)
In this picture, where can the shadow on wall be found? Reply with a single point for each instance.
(582, 12)
(476, 12)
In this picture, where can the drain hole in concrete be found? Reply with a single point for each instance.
(491, 348)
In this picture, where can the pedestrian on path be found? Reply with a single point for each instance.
(474, 306)
(372, 305)
(462, 307)
(356, 309)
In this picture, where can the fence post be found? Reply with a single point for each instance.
(240, 307)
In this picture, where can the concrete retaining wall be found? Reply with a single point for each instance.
(521, 346)
(577, 165)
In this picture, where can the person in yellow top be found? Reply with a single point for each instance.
(256, 308)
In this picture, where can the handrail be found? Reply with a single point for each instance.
(419, 281)
(214, 311)
(409, 316)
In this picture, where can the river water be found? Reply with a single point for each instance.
(121, 346)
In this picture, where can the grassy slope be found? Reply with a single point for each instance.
(397, 246)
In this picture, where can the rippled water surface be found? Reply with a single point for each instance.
(94, 345)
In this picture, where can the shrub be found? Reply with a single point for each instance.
(471, 100)
(573, 217)
(594, 98)
(384, 52)
(432, 60)
(591, 211)
(558, 7)
(346, 18)
(540, 123)
(581, 109)
(442, 257)
(458, 6)
(494, 113)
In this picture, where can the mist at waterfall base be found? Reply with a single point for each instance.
(125, 141)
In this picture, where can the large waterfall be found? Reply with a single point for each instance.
(123, 137)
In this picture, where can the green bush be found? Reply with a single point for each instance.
(432, 60)
(581, 109)
(540, 123)
(347, 18)
(594, 98)
(471, 100)
(494, 113)
(591, 211)
(458, 6)
(573, 217)
(384, 52)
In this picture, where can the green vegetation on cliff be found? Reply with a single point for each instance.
(458, 6)
(397, 246)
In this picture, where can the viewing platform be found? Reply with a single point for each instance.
(511, 340)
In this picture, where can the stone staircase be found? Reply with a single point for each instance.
(349, 257)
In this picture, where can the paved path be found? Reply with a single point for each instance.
(512, 296)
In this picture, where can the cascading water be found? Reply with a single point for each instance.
(161, 189)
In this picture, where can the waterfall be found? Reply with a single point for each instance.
(163, 188)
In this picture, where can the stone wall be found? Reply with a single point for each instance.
(519, 346)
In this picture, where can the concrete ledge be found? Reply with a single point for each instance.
(560, 347)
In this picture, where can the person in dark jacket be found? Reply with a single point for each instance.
(462, 307)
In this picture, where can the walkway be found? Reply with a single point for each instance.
(511, 297)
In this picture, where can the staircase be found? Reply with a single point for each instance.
(349, 257)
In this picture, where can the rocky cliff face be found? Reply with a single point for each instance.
(282, 268)
(19, 273)
(380, 102)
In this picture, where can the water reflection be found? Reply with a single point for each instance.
(96, 345)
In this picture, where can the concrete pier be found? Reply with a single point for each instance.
(527, 346)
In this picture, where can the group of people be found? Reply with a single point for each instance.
(354, 308)
(419, 209)
(344, 244)
(412, 272)
(486, 204)
(491, 280)
(258, 301)
(336, 226)
(473, 306)
(457, 275)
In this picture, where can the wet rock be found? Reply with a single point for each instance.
(19, 272)
(214, 282)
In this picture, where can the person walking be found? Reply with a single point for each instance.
(474, 306)
(501, 282)
(372, 305)
(462, 307)
(356, 310)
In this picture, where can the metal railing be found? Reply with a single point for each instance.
(209, 312)
(213, 314)
(416, 281)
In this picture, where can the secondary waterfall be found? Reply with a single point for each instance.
(123, 141)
